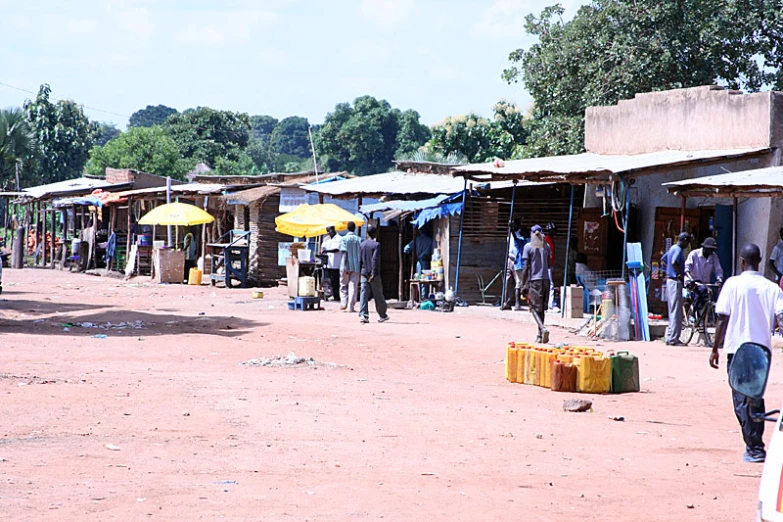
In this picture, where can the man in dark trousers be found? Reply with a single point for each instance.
(674, 261)
(535, 279)
(370, 255)
(747, 309)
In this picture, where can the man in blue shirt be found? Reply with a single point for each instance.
(674, 262)
(350, 264)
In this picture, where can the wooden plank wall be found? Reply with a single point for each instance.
(484, 238)
(264, 238)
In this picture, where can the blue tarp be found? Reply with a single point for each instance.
(444, 210)
(405, 206)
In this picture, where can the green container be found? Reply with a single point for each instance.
(625, 373)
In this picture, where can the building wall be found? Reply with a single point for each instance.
(699, 118)
(262, 263)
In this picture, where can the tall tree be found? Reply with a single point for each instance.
(479, 139)
(149, 149)
(290, 137)
(151, 115)
(106, 132)
(209, 135)
(411, 134)
(18, 146)
(363, 138)
(65, 136)
(263, 125)
(613, 49)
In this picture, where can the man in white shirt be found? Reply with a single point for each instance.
(747, 310)
(331, 247)
(776, 258)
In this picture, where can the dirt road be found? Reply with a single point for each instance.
(406, 420)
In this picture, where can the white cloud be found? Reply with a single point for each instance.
(213, 29)
(386, 14)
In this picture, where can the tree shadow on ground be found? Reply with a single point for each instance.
(63, 318)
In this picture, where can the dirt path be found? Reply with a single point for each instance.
(407, 420)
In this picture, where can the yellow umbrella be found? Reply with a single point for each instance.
(312, 220)
(180, 214)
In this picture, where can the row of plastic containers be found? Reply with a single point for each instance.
(572, 369)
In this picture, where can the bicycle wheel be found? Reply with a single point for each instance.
(688, 326)
(709, 323)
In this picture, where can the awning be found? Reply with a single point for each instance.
(404, 205)
(766, 182)
(595, 168)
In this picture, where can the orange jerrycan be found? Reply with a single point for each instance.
(522, 349)
(547, 357)
(531, 366)
(563, 377)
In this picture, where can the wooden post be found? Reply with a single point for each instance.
(400, 258)
(36, 217)
(682, 215)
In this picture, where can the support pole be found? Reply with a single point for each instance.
(168, 200)
(568, 253)
(459, 245)
(734, 237)
(508, 241)
(625, 228)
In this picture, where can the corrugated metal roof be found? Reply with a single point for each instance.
(755, 182)
(593, 167)
(402, 183)
(68, 186)
(404, 206)
(246, 197)
(185, 188)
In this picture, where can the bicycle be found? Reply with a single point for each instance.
(704, 320)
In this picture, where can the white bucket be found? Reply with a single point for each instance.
(304, 255)
(306, 286)
(75, 246)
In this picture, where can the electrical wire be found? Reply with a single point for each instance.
(79, 104)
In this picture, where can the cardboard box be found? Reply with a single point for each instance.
(573, 301)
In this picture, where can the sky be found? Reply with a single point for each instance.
(277, 57)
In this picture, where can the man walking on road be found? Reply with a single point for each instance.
(535, 279)
(747, 309)
(350, 265)
(371, 278)
(675, 272)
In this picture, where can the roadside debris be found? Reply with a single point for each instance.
(284, 361)
(577, 405)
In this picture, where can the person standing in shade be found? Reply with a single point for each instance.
(372, 288)
(189, 246)
(514, 265)
(747, 310)
(350, 265)
(535, 279)
(331, 247)
(674, 260)
(776, 259)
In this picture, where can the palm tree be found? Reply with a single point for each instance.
(18, 143)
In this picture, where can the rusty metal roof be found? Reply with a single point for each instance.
(594, 168)
(747, 183)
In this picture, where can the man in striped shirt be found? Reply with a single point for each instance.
(350, 267)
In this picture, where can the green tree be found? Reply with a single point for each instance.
(411, 134)
(209, 135)
(18, 146)
(149, 149)
(151, 115)
(106, 132)
(65, 136)
(263, 125)
(613, 49)
(479, 139)
(363, 138)
(290, 137)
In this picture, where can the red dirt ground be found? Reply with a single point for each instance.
(417, 423)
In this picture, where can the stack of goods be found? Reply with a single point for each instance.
(437, 265)
(572, 368)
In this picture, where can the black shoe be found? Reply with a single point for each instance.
(676, 342)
